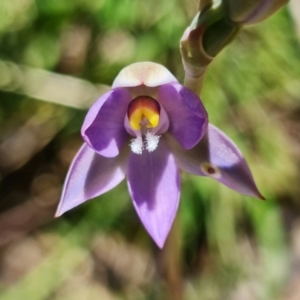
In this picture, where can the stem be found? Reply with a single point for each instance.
(210, 31)
(204, 3)
(171, 264)
(195, 84)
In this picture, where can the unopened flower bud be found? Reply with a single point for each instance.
(248, 12)
(210, 31)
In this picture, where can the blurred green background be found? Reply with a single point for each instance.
(56, 58)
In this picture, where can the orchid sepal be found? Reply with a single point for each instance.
(218, 157)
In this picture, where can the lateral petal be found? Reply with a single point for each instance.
(103, 128)
(90, 175)
(187, 116)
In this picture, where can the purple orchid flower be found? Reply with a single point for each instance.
(146, 129)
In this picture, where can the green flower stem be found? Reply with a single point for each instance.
(216, 24)
(210, 31)
(204, 4)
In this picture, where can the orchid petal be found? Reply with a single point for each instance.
(94, 110)
(218, 157)
(143, 73)
(103, 128)
(90, 175)
(153, 182)
(188, 117)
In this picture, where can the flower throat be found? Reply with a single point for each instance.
(144, 115)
